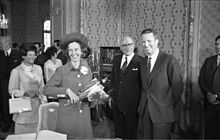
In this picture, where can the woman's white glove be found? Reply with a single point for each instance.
(73, 97)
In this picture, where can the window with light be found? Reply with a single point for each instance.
(47, 34)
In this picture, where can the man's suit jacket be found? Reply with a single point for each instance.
(126, 86)
(41, 59)
(162, 89)
(206, 76)
(7, 64)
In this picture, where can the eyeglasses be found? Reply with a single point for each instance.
(125, 45)
(33, 56)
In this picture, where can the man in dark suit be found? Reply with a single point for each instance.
(162, 90)
(41, 55)
(208, 78)
(126, 84)
(9, 59)
(60, 53)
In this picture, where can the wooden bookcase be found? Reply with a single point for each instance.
(106, 59)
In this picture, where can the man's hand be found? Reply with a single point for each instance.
(73, 97)
(215, 102)
(211, 97)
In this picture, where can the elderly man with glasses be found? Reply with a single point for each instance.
(126, 84)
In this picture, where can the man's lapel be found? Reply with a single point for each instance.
(215, 62)
(156, 67)
(130, 64)
(119, 64)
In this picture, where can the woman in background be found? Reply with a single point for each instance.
(52, 63)
(27, 80)
(73, 118)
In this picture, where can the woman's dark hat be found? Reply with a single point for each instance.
(78, 37)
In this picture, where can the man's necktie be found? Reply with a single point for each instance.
(216, 81)
(124, 65)
(148, 64)
(6, 54)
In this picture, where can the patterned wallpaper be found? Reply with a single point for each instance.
(168, 17)
(210, 29)
(100, 22)
(104, 21)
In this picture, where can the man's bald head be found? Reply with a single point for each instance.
(127, 40)
(127, 45)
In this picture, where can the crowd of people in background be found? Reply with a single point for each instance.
(140, 108)
(30, 70)
(23, 67)
(145, 91)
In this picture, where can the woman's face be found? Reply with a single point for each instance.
(30, 57)
(74, 51)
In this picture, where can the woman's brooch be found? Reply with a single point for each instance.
(84, 70)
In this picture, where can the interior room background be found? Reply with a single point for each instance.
(187, 30)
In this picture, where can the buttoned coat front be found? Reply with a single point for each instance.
(21, 81)
(70, 120)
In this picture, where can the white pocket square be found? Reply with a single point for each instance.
(15, 60)
(135, 69)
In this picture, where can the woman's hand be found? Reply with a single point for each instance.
(30, 94)
(73, 97)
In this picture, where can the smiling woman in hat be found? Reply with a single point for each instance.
(73, 115)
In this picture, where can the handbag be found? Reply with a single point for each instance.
(19, 105)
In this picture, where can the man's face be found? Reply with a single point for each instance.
(217, 46)
(149, 43)
(41, 48)
(5, 43)
(38, 47)
(127, 46)
(56, 45)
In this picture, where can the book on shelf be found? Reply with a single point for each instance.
(107, 68)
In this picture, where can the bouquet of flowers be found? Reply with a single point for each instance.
(93, 92)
